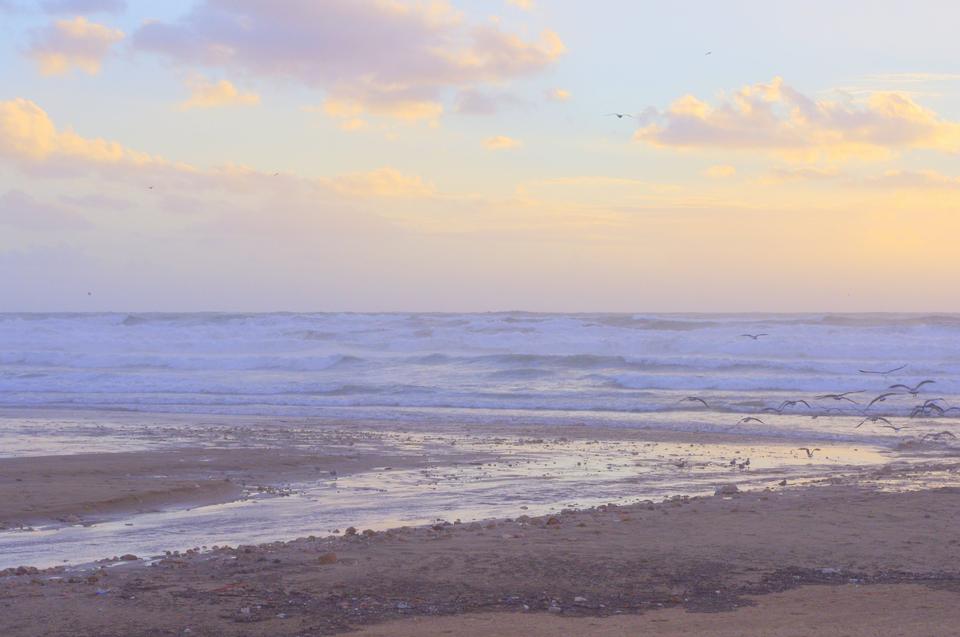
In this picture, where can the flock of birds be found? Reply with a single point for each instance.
(931, 407)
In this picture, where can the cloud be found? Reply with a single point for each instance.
(525, 5)
(74, 7)
(20, 210)
(919, 179)
(78, 43)
(29, 137)
(383, 182)
(205, 93)
(559, 95)
(776, 118)
(720, 171)
(805, 173)
(473, 102)
(384, 57)
(501, 142)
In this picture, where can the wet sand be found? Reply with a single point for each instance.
(87, 488)
(904, 610)
(693, 555)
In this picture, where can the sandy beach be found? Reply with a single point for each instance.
(866, 550)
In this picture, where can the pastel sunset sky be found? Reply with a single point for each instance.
(455, 156)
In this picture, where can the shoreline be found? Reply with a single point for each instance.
(708, 554)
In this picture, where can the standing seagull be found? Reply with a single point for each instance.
(620, 115)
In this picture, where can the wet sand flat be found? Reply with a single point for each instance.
(711, 554)
(903, 610)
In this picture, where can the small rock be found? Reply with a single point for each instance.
(554, 609)
(129, 557)
(579, 600)
(727, 489)
(351, 530)
(553, 521)
(328, 558)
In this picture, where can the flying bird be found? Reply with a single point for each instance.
(750, 419)
(754, 336)
(619, 115)
(882, 373)
(840, 396)
(913, 391)
(881, 398)
(808, 450)
(695, 399)
(709, 53)
(793, 403)
(894, 427)
(873, 419)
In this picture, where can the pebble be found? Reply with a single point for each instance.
(727, 489)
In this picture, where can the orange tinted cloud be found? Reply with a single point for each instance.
(205, 93)
(76, 43)
(774, 117)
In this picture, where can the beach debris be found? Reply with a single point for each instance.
(727, 489)
(328, 558)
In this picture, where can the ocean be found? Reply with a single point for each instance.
(614, 369)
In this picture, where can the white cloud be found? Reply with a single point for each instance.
(384, 57)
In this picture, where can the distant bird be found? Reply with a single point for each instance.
(709, 53)
(881, 398)
(149, 187)
(808, 450)
(793, 403)
(89, 293)
(873, 419)
(753, 336)
(894, 427)
(913, 391)
(695, 399)
(750, 419)
(619, 115)
(882, 373)
(840, 396)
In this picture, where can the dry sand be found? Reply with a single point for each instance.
(890, 560)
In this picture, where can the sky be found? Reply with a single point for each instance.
(435, 155)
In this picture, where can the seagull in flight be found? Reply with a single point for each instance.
(620, 115)
(695, 399)
(894, 427)
(840, 396)
(882, 373)
(881, 398)
(754, 336)
(808, 450)
(913, 391)
(750, 419)
(874, 419)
